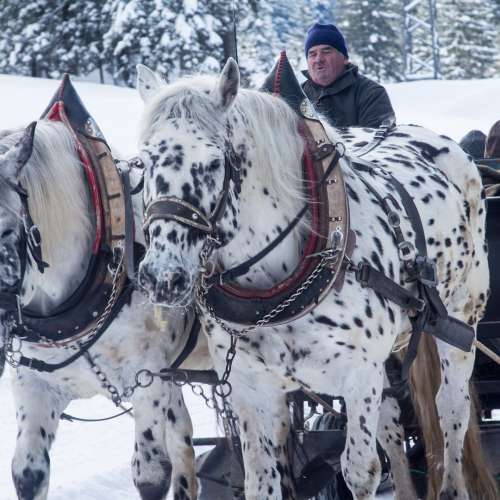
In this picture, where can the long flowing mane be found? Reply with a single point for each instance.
(53, 180)
(268, 125)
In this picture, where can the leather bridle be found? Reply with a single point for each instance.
(171, 208)
(29, 244)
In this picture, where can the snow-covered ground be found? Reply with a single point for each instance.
(91, 461)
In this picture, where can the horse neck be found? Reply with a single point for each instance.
(271, 191)
(59, 204)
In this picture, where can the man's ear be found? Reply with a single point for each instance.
(228, 84)
(148, 82)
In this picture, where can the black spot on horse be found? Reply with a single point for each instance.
(428, 151)
(148, 435)
(162, 186)
(326, 321)
(352, 194)
(172, 237)
(156, 231)
(171, 416)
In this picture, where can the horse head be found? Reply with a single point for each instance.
(13, 206)
(189, 178)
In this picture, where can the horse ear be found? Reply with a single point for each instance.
(229, 81)
(147, 82)
(25, 146)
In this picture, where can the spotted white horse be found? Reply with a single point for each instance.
(59, 204)
(188, 132)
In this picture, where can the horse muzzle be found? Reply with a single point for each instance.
(169, 287)
(10, 265)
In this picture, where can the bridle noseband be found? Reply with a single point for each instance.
(171, 208)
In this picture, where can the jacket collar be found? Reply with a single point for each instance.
(346, 79)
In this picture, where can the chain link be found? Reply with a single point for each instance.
(198, 390)
(143, 379)
(202, 290)
(116, 269)
(223, 389)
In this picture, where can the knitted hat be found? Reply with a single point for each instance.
(325, 34)
(473, 143)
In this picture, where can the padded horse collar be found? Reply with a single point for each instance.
(81, 317)
(331, 234)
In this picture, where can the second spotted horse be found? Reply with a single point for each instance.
(223, 179)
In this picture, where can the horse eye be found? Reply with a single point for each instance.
(214, 165)
(6, 233)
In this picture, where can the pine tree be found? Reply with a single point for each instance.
(373, 31)
(468, 38)
(45, 38)
(258, 44)
(81, 26)
(29, 37)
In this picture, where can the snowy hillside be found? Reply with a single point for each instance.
(91, 461)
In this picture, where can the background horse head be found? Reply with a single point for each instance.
(191, 131)
(43, 188)
(11, 223)
(57, 194)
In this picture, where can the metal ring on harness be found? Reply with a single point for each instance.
(141, 374)
(394, 219)
(219, 389)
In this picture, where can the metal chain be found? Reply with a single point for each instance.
(223, 389)
(202, 290)
(13, 355)
(143, 379)
(116, 269)
(197, 390)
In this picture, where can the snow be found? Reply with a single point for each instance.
(90, 461)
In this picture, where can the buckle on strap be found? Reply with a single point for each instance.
(426, 271)
(406, 251)
(362, 274)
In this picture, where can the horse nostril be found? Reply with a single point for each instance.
(173, 279)
(146, 277)
(6, 233)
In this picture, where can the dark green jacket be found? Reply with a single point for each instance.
(351, 100)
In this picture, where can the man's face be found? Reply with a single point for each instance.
(325, 64)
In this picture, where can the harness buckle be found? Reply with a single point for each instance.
(426, 271)
(394, 219)
(34, 236)
(406, 251)
(362, 274)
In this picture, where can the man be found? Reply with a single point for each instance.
(334, 85)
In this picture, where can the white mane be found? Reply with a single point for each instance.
(266, 125)
(58, 203)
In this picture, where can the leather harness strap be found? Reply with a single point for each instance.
(429, 312)
(380, 134)
(86, 314)
(172, 208)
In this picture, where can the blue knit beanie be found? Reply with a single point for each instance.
(325, 34)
